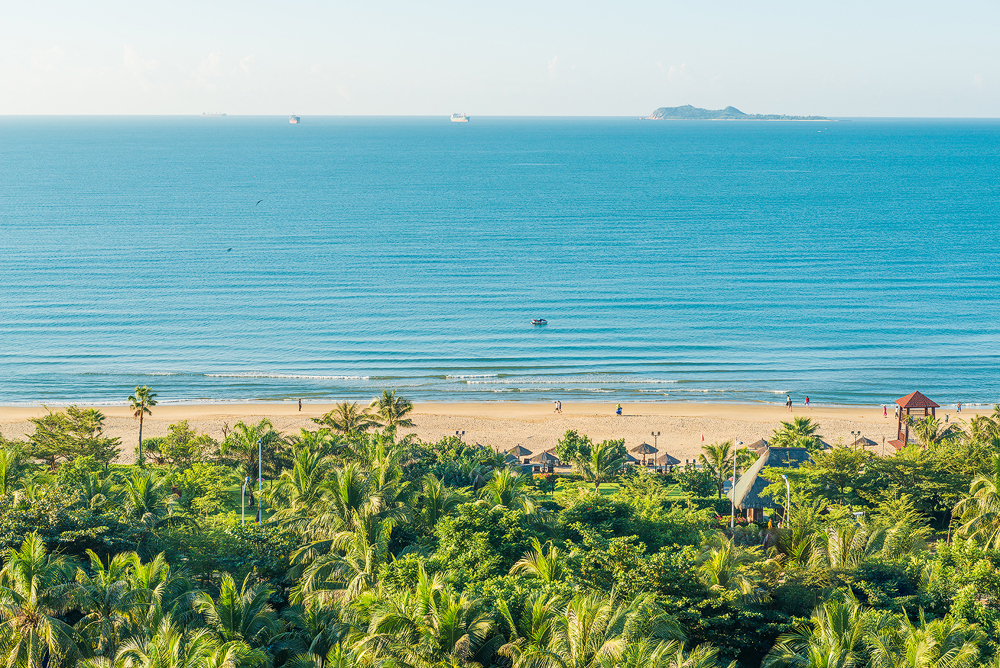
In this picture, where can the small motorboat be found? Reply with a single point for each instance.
(539, 321)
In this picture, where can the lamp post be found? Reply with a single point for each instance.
(856, 435)
(260, 480)
(460, 435)
(788, 496)
(655, 435)
(732, 488)
(243, 502)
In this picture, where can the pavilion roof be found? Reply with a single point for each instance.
(644, 449)
(666, 460)
(916, 400)
(543, 458)
(751, 483)
(519, 451)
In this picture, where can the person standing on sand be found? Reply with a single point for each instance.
(618, 409)
(885, 411)
(807, 402)
(300, 405)
(788, 402)
(559, 407)
(958, 407)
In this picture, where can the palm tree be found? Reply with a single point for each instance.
(547, 566)
(13, 469)
(107, 599)
(170, 647)
(718, 459)
(392, 410)
(942, 643)
(593, 632)
(147, 499)
(723, 566)
(508, 488)
(931, 431)
(430, 625)
(606, 459)
(980, 510)
(348, 418)
(438, 500)
(242, 614)
(800, 432)
(141, 404)
(835, 637)
(246, 442)
(301, 489)
(34, 591)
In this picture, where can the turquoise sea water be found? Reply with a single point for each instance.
(849, 261)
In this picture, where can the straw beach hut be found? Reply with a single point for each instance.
(665, 461)
(751, 483)
(545, 461)
(758, 446)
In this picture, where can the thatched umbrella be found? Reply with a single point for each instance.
(644, 449)
(863, 442)
(759, 446)
(666, 460)
(519, 451)
(545, 459)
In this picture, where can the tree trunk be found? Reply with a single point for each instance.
(140, 439)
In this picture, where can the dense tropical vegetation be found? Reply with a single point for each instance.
(377, 549)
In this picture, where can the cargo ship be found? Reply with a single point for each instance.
(293, 119)
(459, 118)
(205, 113)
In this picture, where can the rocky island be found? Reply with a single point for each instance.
(689, 113)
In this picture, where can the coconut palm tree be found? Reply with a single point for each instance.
(531, 625)
(942, 643)
(430, 625)
(835, 637)
(979, 512)
(147, 499)
(35, 588)
(605, 461)
(718, 460)
(242, 614)
(546, 565)
(246, 443)
(107, 600)
(508, 488)
(141, 404)
(301, 490)
(13, 469)
(800, 432)
(724, 566)
(931, 431)
(348, 417)
(392, 410)
(438, 500)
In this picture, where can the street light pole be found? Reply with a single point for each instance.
(655, 435)
(243, 503)
(788, 497)
(732, 488)
(260, 480)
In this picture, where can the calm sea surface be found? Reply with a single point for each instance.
(849, 261)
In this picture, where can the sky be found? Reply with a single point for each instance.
(847, 58)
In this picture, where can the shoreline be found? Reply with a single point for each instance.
(682, 427)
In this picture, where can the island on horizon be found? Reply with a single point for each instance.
(689, 113)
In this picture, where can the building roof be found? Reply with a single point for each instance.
(863, 442)
(519, 451)
(916, 400)
(543, 458)
(758, 445)
(751, 484)
(644, 449)
(666, 460)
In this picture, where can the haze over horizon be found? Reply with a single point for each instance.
(576, 59)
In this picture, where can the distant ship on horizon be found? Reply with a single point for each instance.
(205, 113)
(459, 118)
(294, 119)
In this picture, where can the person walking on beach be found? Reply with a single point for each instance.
(618, 409)
(788, 402)
(300, 405)
(958, 407)
(559, 406)
(807, 402)
(895, 412)
(885, 411)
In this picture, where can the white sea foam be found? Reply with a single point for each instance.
(292, 376)
(472, 375)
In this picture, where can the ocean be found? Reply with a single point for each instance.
(244, 258)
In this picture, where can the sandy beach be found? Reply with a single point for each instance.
(681, 426)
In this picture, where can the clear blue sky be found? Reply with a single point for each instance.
(848, 58)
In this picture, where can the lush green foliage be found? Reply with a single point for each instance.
(380, 550)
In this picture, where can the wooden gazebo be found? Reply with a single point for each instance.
(644, 449)
(907, 405)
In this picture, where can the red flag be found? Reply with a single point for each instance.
(703, 438)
